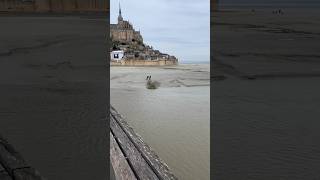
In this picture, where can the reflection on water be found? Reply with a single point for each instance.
(174, 121)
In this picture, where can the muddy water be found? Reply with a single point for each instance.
(173, 119)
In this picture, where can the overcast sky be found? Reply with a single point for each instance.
(177, 27)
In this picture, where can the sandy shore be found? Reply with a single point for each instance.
(184, 75)
(266, 95)
(53, 93)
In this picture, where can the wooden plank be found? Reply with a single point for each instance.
(26, 174)
(119, 163)
(4, 174)
(159, 167)
(138, 164)
(14, 165)
(9, 158)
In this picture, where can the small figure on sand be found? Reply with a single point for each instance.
(280, 11)
(152, 84)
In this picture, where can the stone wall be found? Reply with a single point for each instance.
(122, 35)
(144, 63)
(54, 6)
(117, 33)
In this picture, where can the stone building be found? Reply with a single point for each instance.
(116, 55)
(124, 32)
(54, 5)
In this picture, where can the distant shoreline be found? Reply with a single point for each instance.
(182, 63)
(195, 62)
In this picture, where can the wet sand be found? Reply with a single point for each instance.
(266, 94)
(53, 92)
(173, 119)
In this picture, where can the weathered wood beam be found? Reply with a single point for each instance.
(120, 165)
(4, 174)
(13, 165)
(138, 164)
(158, 166)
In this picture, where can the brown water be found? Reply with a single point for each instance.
(174, 119)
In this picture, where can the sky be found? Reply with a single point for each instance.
(176, 27)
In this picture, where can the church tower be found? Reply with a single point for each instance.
(120, 15)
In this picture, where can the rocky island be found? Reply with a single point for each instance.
(128, 49)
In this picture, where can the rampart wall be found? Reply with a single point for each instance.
(54, 6)
(143, 63)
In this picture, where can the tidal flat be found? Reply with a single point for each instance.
(53, 93)
(173, 119)
(266, 93)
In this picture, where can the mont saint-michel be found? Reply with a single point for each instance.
(128, 48)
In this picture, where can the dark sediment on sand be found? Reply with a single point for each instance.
(263, 45)
(266, 95)
(53, 93)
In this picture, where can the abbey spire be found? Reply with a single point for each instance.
(120, 14)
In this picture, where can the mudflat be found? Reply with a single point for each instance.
(53, 92)
(266, 94)
(173, 119)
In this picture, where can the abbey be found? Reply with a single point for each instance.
(127, 47)
(124, 32)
